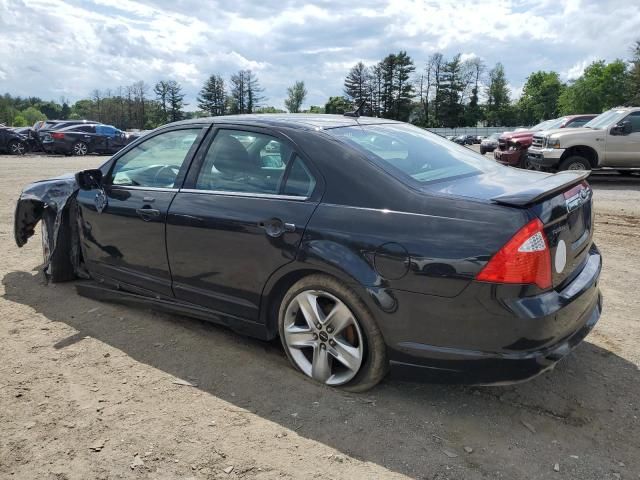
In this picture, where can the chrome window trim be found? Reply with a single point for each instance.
(136, 187)
(272, 196)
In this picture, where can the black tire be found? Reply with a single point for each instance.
(482, 151)
(60, 267)
(374, 365)
(17, 147)
(79, 149)
(525, 164)
(575, 162)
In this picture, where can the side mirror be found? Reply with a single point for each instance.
(622, 128)
(89, 179)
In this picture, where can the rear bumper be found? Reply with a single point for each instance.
(508, 157)
(544, 328)
(545, 157)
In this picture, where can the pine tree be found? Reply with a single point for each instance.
(212, 96)
(357, 86)
(498, 100)
(175, 99)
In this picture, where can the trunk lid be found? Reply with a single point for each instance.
(562, 201)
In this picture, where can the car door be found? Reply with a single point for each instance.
(239, 217)
(624, 150)
(123, 224)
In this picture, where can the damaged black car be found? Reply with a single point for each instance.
(365, 245)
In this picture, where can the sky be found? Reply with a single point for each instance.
(67, 48)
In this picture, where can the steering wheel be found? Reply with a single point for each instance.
(169, 172)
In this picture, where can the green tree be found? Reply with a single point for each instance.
(634, 76)
(448, 99)
(338, 105)
(397, 90)
(269, 110)
(356, 86)
(32, 115)
(498, 109)
(295, 97)
(176, 101)
(212, 96)
(20, 121)
(161, 89)
(601, 87)
(540, 96)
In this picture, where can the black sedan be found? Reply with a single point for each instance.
(81, 140)
(362, 243)
(465, 139)
(12, 142)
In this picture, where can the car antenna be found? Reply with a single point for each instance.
(356, 112)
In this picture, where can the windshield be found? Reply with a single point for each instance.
(604, 119)
(412, 153)
(541, 126)
(554, 123)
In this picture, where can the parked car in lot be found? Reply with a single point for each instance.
(490, 143)
(12, 142)
(84, 139)
(513, 146)
(442, 261)
(611, 140)
(464, 139)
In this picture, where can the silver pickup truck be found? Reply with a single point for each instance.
(610, 140)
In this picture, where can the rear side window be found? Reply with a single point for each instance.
(411, 153)
(249, 162)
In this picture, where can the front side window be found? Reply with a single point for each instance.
(156, 161)
(634, 119)
(412, 153)
(250, 162)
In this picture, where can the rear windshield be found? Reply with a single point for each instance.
(411, 153)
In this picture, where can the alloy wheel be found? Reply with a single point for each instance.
(17, 148)
(80, 149)
(576, 166)
(323, 337)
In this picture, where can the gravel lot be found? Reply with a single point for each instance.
(95, 390)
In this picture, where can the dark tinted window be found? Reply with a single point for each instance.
(300, 182)
(634, 118)
(413, 152)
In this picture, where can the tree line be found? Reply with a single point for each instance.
(455, 92)
(439, 92)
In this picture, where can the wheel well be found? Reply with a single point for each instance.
(582, 151)
(278, 291)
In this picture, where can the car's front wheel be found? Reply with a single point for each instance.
(80, 149)
(17, 148)
(575, 162)
(329, 335)
(57, 257)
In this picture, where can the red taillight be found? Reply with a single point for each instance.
(524, 259)
(57, 135)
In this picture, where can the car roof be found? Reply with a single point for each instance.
(295, 120)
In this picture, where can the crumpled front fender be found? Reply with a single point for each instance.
(40, 197)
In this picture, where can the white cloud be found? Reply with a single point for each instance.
(70, 47)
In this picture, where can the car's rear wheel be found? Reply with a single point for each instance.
(60, 267)
(17, 148)
(328, 334)
(575, 162)
(482, 151)
(80, 149)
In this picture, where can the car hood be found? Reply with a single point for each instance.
(500, 181)
(571, 132)
(515, 136)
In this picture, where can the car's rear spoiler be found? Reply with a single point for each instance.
(543, 188)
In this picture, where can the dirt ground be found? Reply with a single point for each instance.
(95, 390)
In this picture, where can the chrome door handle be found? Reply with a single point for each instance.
(147, 213)
(274, 227)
